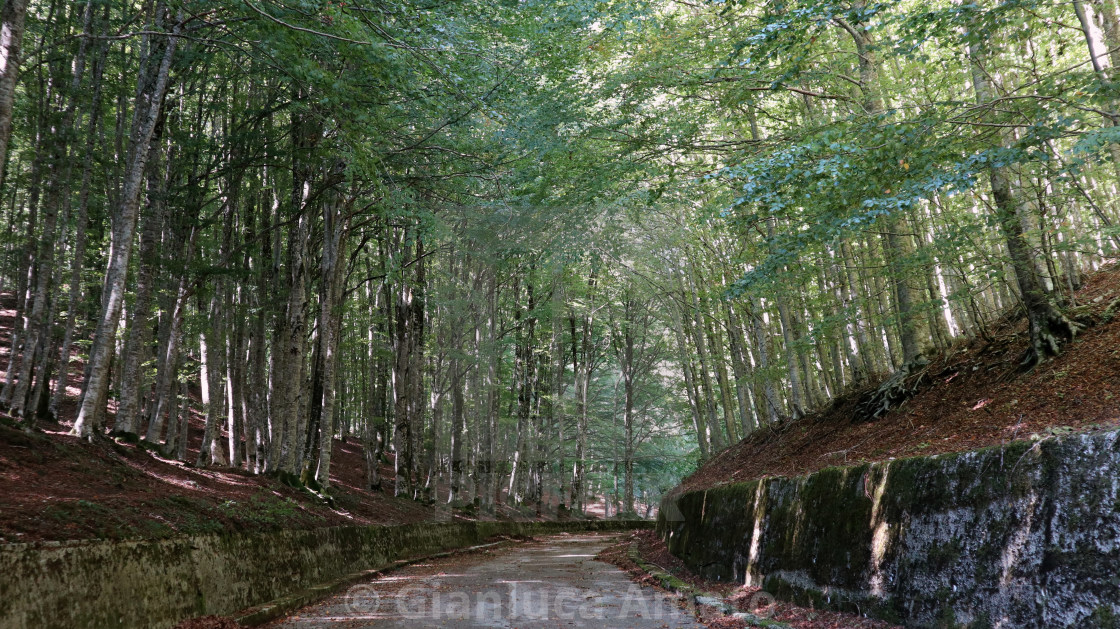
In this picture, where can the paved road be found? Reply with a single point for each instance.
(552, 582)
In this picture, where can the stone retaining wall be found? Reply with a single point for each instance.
(1021, 535)
(157, 583)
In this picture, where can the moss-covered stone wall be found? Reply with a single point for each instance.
(149, 584)
(1021, 535)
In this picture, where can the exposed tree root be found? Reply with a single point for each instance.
(1110, 311)
(903, 385)
(1050, 329)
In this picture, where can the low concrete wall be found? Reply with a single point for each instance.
(1022, 535)
(158, 583)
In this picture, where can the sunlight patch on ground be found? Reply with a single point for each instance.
(178, 482)
(394, 579)
(224, 478)
(58, 433)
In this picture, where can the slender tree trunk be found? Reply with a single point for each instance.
(25, 273)
(488, 394)
(1098, 59)
(139, 329)
(715, 346)
(1048, 327)
(627, 360)
(174, 414)
(407, 388)
(769, 395)
(583, 366)
(748, 412)
(896, 238)
(149, 101)
(698, 423)
(333, 269)
(184, 422)
(212, 350)
(418, 399)
(235, 378)
(458, 423)
(526, 380)
(556, 408)
(257, 416)
(402, 417)
(375, 440)
(81, 228)
(36, 320)
(693, 322)
(165, 386)
(797, 407)
(12, 19)
(290, 342)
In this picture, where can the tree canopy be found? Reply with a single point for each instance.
(532, 252)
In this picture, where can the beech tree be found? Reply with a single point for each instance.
(531, 255)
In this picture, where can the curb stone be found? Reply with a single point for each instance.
(697, 596)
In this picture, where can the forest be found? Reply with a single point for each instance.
(535, 252)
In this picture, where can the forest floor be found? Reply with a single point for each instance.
(56, 487)
(743, 598)
(974, 395)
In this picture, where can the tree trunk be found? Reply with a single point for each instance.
(139, 330)
(625, 349)
(165, 386)
(1049, 328)
(12, 19)
(699, 425)
(748, 412)
(761, 344)
(151, 90)
(81, 231)
(25, 272)
(257, 417)
(212, 350)
(36, 321)
(333, 269)
(458, 423)
(1098, 58)
(556, 407)
(896, 238)
(402, 417)
(693, 321)
(235, 378)
(291, 338)
(582, 365)
(407, 376)
(487, 391)
(184, 422)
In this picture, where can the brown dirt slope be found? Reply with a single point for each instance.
(57, 487)
(972, 396)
